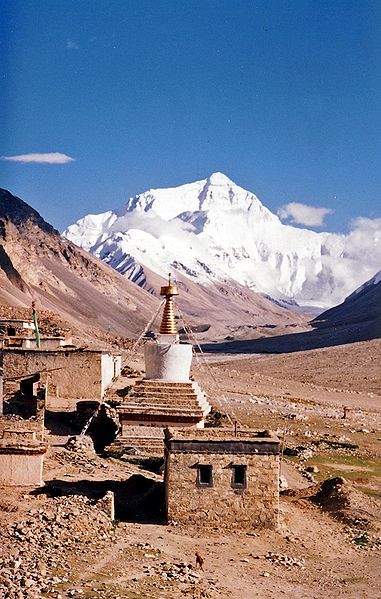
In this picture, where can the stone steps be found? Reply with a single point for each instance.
(166, 384)
(165, 402)
(147, 446)
(159, 392)
(163, 410)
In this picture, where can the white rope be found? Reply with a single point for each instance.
(188, 331)
(148, 325)
(96, 411)
(83, 431)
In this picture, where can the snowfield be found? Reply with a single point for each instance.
(215, 230)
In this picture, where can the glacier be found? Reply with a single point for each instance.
(214, 230)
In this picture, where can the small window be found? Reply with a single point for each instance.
(239, 477)
(204, 476)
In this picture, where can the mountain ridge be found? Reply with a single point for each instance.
(36, 262)
(214, 230)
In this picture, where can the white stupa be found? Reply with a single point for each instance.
(166, 396)
(166, 359)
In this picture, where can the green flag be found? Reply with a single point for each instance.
(36, 332)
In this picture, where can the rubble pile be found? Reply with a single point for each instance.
(34, 551)
(180, 572)
(339, 496)
(80, 444)
(361, 512)
(79, 451)
(284, 560)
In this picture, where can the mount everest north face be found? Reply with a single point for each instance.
(214, 230)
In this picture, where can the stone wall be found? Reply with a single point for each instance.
(21, 458)
(255, 506)
(21, 469)
(45, 342)
(111, 367)
(73, 375)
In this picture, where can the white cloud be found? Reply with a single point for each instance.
(70, 45)
(301, 214)
(46, 158)
(350, 260)
(152, 223)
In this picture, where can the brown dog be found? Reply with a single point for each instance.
(199, 561)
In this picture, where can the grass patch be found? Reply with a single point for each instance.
(362, 540)
(371, 466)
(365, 469)
(371, 492)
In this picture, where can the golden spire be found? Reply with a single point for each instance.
(168, 323)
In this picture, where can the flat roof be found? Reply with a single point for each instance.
(59, 350)
(214, 440)
(16, 320)
(222, 434)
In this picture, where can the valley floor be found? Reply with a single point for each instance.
(61, 544)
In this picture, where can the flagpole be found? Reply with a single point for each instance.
(36, 331)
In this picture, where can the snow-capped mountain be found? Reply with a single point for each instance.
(214, 230)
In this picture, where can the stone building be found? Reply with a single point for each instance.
(21, 458)
(222, 478)
(17, 332)
(166, 396)
(12, 327)
(30, 342)
(22, 446)
(74, 375)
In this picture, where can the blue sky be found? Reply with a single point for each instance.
(283, 97)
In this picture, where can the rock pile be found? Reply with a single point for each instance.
(79, 451)
(80, 444)
(33, 551)
(284, 560)
(338, 495)
(181, 572)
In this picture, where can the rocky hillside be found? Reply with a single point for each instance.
(37, 263)
(358, 318)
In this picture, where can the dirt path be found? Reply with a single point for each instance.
(326, 564)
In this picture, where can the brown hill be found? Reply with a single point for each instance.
(37, 263)
(358, 318)
(226, 309)
(361, 311)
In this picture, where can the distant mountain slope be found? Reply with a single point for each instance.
(362, 307)
(214, 231)
(358, 318)
(36, 262)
